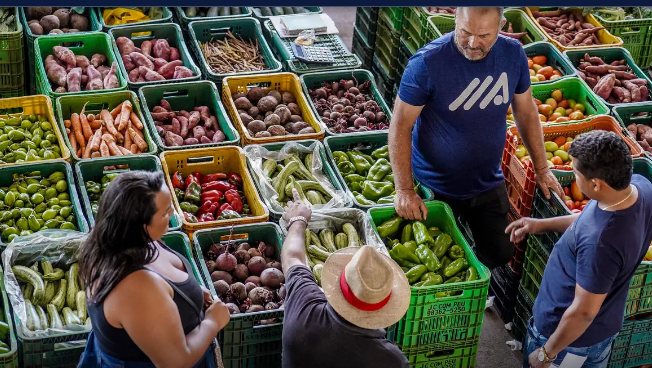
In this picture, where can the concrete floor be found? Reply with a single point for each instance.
(493, 351)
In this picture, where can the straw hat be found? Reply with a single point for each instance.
(365, 287)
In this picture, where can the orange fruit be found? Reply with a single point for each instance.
(556, 160)
(546, 71)
(540, 59)
(576, 193)
(560, 141)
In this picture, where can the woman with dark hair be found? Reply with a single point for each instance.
(145, 305)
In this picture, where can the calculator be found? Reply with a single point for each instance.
(313, 54)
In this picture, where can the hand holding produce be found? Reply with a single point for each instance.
(270, 113)
(232, 55)
(182, 128)
(539, 71)
(154, 60)
(213, 11)
(567, 27)
(642, 134)
(211, 197)
(246, 277)
(266, 11)
(120, 16)
(66, 75)
(347, 107)
(7, 24)
(320, 247)
(47, 20)
(427, 255)
(614, 82)
(54, 297)
(27, 138)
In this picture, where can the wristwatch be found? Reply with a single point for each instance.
(543, 356)
(295, 219)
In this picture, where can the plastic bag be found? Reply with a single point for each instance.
(306, 38)
(256, 154)
(60, 247)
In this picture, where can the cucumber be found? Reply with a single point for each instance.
(55, 318)
(81, 305)
(69, 317)
(60, 298)
(33, 320)
(288, 10)
(26, 274)
(50, 287)
(46, 266)
(352, 234)
(28, 291)
(71, 294)
(235, 10)
(55, 275)
(42, 317)
(277, 10)
(299, 10)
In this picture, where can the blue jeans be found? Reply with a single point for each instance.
(597, 355)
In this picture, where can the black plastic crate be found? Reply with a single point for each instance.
(366, 22)
(362, 49)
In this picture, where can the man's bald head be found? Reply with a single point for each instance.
(476, 30)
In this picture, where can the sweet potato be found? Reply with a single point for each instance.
(158, 62)
(634, 90)
(61, 90)
(189, 141)
(632, 129)
(644, 93)
(591, 30)
(174, 54)
(133, 75)
(622, 75)
(94, 79)
(176, 127)
(125, 45)
(56, 73)
(149, 74)
(111, 79)
(128, 63)
(74, 80)
(168, 70)
(219, 137)
(165, 104)
(193, 120)
(183, 122)
(182, 72)
(591, 81)
(146, 48)
(618, 93)
(647, 136)
(84, 79)
(579, 37)
(82, 61)
(104, 70)
(198, 132)
(605, 85)
(639, 81)
(97, 60)
(184, 113)
(172, 139)
(141, 60)
(161, 49)
(546, 23)
(551, 13)
(162, 116)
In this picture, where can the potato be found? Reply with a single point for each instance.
(37, 12)
(296, 127)
(49, 22)
(255, 94)
(56, 31)
(276, 95)
(272, 119)
(256, 126)
(294, 108)
(246, 118)
(276, 130)
(288, 98)
(296, 118)
(283, 113)
(78, 21)
(263, 134)
(267, 103)
(64, 17)
(242, 103)
(36, 28)
(307, 130)
(253, 111)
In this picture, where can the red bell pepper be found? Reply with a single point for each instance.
(237, 205)
(223, 208)
(233, 198)
(235, 180)
(214, 196)
(221, 185)
(199, 176)
(177, 181)
(208, 207)
(206, 217)
(190, 179)
(190, 217)
(213, 177)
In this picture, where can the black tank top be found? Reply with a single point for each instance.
(117, 343)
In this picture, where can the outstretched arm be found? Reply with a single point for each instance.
(294, 246)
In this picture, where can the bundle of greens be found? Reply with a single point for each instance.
(620, 13)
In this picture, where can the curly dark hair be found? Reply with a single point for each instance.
(603, 155)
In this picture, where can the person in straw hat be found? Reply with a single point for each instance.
(342, 326)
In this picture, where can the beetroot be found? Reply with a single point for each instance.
(212, 266)
(244, 246)
(255, 308)
(214, 251)
(233, 309)
(266, 250)
(254, 252)
(226, 262)
(257, 265)
(221, 287)
(241, 256)
(222, 275)
(238, 291)
(275, 264)
(253, 279)
(260, 296)
(272, 277)
(241, 272)
(249, 286)
(282, 292)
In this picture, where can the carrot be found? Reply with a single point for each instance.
(125, 114)
(96, 154)
(73, 141)
(67, 130)
(104, 149)
(77, 130)
(86, 128)
(110, 142)
(127, 142)
(116, 111)
(134, 148)
(87, 150)
(124, 150)
(66, 123)
(136, 121)
(95, 144)
(120, 138)
(142, 145)
(95, 124)
(90, 117)
(108, 122)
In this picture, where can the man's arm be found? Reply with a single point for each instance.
(408, 204)
(526, 225)
(529, 127)
(294, 247)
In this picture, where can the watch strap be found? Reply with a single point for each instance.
(295, 219)
(546, 358)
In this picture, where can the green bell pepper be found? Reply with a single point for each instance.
(382, 152)
(392, 242)
(456, 266)
(93, 187)
(471, 274)
(360, 163)
(456, 252)
(390, 227)
(346, 167)
(434, 231)
(189, 207)
(389, 178)
(354, 182)
(193, 192)
(431, 278)
(406, 234)
(428, 258)
(179, 194)
(401, 252)
(363, 200)
(379, 169)
(415, 273)
(442, 243)
(452, 280)
(411, 245)
(375, 190)
(109, 177)
(418, 284)
(386, 200)
(421, 234)
(339, 156)
(369, 159)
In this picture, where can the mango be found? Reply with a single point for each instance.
(576, 115)
(550, 164)
(579, 107)
(542, 118)
(552, 102)
(521, 151)
(557, 95)
(533, 79)
(571, 103)
(549, 155)
(576, 193)
(554, 116)
(551, 146)
(545, 109)
(536, 67)
(561, 154)
(561, 111)
(532, 72)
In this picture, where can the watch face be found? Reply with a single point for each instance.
(542, 356)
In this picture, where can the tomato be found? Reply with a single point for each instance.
(570, 204)
(567, 191)
(584, 202)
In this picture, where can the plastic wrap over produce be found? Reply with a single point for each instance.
(61, 249)
(258, 155)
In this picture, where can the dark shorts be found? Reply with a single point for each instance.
(486, 216)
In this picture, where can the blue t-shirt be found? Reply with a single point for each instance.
(600, 252)
(458, 140)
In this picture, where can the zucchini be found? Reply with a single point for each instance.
(299, 10)
(60, 298)
(55, 318)
(317, 272)
(55, 275)
(212, 11)
(46, 266)
(277, 10)
(269, 167)
(69, 317)
(190, 11)
(266, 11)
(318, 253)
(71, 294)
(224, 11)
(50, 288)
(28, 291)
(235, 10)
(26, 274)
(307, 185)
(33, 320)
(328, 240)
(4, 330)
(352, 234)
(288, 10)
(42, 317)
(81, 305)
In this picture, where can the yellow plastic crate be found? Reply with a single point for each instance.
(208, 161)
(278, 81)
(607, 39)
(37, 105)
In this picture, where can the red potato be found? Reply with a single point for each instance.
(174, 54)
(82, 61)
(133, 75)
(193, 120)
(95, 81)
(149, 74)
(56, 73)
(128, 63)
(104, 70)
(172, 139)
(97, 60)
(158, 62)
(64, 54)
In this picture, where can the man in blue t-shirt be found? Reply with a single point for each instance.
(455, 93)
(581, 302)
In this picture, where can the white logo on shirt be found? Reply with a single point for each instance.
(493, 94)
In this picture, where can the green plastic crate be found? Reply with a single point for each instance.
(576, 89)
(413, 33)
(633, 346)
(184, 20)
(362, 49)
(636, 35)
(262, 18)
(12, 92)
(87, 44)
(609, 54)
(458, 358)
(282, 47)
(536, 259)
(314, 80)
(185, 96)
(167, 17)
(93, 25)
(366, 143)
(180, 243)
(436, 323)
(10, 359)
(384, 83)
(624, 113)
(244, 338)
(555, 59)
(12, 70)
(523, 313)
(247, 28)
(327, 170)
(169, 31)
(386, 46)
(67, 105)
(47, 168)
(393, 16)
(405, 52)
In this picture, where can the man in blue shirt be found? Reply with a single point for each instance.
(581, 303)
(457, 90)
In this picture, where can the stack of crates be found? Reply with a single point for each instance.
(12, 70)
(636, 35)
(388, 35)
(364, 34)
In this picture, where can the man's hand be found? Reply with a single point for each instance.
(545, 180)
(409, 205)
(521, 227)
(534, 362)
(296, 208)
